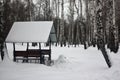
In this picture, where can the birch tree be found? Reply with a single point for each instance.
(58, 20)
(79, 28)
(115, 29)
(117, 16)
(88, 26)
(71, 21)
(1, 30)
(100, 31)
(6, 24)
(62, 37)
(39, 10)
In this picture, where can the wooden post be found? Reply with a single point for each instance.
(27, 46)
(50, 44)
(40, 53)
(27, 52)
(50, 49)
(39, 46)
(14, 57)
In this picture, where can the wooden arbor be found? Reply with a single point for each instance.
(32, 32)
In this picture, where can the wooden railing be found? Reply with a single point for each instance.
(32, 54)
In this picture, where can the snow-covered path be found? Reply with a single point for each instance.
(75, 64)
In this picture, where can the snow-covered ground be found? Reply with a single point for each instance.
(69, 64)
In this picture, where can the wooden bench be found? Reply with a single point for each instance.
(33, 53)
(46, 52)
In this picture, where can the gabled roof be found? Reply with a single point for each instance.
(52, 36)
(38, 31)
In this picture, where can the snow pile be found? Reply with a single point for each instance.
(61, 60)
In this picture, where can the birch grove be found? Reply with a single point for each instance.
(76, 22)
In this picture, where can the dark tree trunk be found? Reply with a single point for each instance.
(100, 31)
(1, 50)
(105, 55)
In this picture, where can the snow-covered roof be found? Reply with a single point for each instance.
(36, 31)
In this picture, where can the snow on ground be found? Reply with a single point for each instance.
(69, 64)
